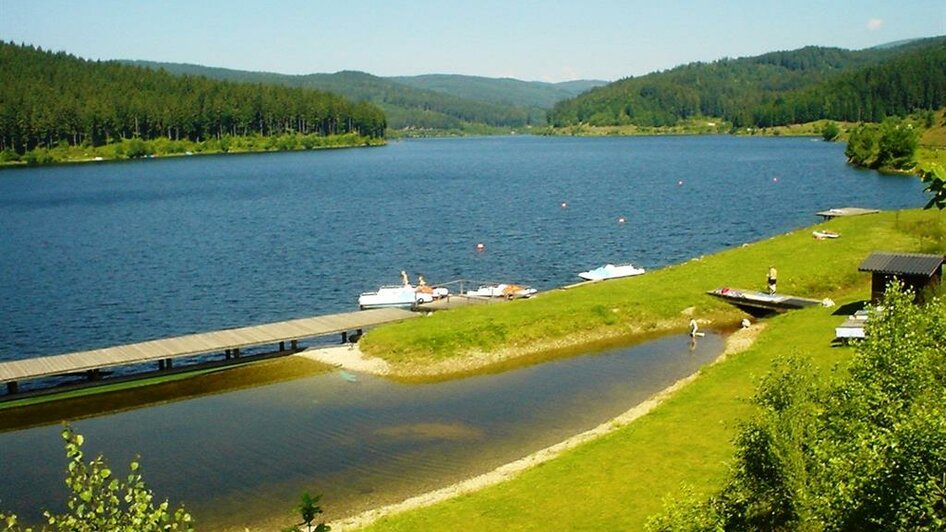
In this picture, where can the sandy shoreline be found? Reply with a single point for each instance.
(353, 359)
(347, 357)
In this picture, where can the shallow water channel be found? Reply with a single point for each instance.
(243, 458)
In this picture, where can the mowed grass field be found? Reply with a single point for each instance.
(617, 481)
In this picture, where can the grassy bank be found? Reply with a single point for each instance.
(162, 147)
(660, 301)
(617, 481)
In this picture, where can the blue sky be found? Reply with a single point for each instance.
(547, 40)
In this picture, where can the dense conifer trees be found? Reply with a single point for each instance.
(51, 98)
(774, 89)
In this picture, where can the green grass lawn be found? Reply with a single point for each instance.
(617, 481)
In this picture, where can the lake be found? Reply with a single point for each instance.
(101, 254)
(95, 255)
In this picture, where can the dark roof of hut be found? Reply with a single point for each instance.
(902, 263)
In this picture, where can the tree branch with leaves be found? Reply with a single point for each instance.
(935, 178)
(100, 501)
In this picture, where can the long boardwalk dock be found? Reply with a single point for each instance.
(228, 341)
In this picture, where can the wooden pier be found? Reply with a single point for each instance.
(164, 351)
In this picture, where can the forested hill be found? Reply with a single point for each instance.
(774, 89)
(51, 98)
(421, 102)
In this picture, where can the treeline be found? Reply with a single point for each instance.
(50, 99)
(774, 89)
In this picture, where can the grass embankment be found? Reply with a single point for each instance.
(617, 481)
(660, 301)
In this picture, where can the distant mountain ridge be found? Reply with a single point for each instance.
(505, 91)
(438, 102)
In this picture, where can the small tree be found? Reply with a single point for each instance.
(830, 132)
(861, 146)
(100, 502)
(309, 509)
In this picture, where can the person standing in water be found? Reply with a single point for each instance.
(773, 274)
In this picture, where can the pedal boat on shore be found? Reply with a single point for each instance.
(503, 290)
(760, 304)
(611, 271)
(404, 295)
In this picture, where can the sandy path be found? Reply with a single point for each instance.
(737, 342)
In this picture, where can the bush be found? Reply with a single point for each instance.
(136, 148)
(865, 453)
(8, 155)
(830, 132)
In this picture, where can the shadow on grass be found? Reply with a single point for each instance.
(850, 308)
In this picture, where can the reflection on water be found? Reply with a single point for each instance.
(431, 431)
(243, 458)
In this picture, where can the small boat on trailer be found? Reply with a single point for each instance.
(761, 304)
(611, 271)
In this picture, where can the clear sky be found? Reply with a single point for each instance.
(547, 40)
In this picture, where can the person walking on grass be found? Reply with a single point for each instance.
(773, 273)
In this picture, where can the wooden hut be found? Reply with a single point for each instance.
(917, 271)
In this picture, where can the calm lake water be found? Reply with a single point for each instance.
(101, 254)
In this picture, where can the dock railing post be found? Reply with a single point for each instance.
(294, 344)
(12, 387)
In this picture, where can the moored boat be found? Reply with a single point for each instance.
(508, 291)
(404, 295)
(393, 296)
(611, 271)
